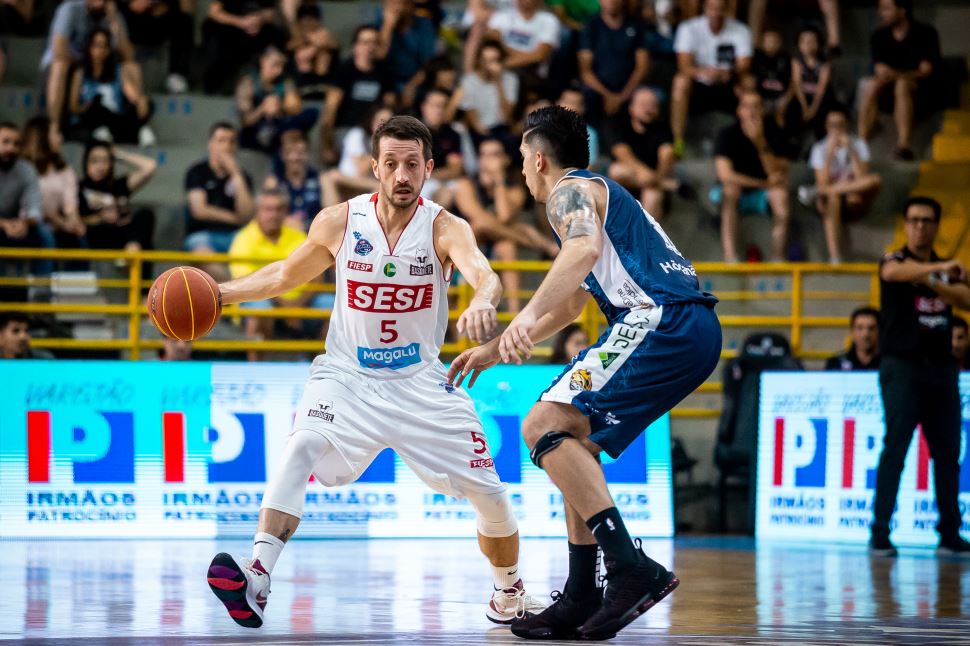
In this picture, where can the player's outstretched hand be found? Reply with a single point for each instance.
(515, 344)
(479, 321)
(474, 362)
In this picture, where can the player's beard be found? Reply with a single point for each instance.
(400, 202)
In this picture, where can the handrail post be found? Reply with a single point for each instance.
(796, 310)
(465, 294)
(134, 301)
(874, 287)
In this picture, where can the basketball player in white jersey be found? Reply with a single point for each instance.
(380, 383)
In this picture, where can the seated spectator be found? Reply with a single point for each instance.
(269, 104)
(233, 33)
(21, 208)
(67, 45)
(406, 43)
(104, 199)
(445, 150)
(107, 100)
(863, 354)
(306, 25)
(439, 74)
(530, 35)
(354, 174)
(268, 238)
(613, 59)
(570, 341)
(152, 22)
(488, 92)
(753, 172)
(643, 153)
(573, 99)
(844, 185)
(362, 80)
(811, 76)
(314, 70)
(294, 175)
(58, 183)
(905, 54)
(961, 342)
(771, 68)
(175, 350)
(713, 60)
(15, 338)
(491, 202)
(219, 198)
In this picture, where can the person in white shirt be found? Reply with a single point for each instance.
(844, 185)
(713, 59)
(530, 35)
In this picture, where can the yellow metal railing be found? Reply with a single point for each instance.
(796, 322)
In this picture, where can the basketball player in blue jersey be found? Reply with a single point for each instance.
(662, 342)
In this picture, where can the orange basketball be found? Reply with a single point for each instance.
(184, 303)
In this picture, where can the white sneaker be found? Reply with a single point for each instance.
(176, 84)
(146, 137)
(101, 133)
(242, 586)
(807, 194)
(512, 603)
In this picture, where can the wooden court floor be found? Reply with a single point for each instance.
(434, 592)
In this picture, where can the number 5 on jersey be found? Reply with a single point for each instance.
(388, 333)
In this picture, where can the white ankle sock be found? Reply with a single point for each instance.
(266, 549)
(505, 577)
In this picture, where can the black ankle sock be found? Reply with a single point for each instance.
(582, 570)
(610, 532)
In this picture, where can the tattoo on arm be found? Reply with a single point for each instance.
(572, 211)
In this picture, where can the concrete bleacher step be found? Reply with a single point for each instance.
(951, 148)
(942, 175)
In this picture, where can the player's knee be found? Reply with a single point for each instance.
(546, 444)
(286, 490)
(495, 517)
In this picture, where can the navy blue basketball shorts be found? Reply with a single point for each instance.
(639, 368)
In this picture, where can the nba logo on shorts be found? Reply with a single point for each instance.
(236, 444)
(799, 457)
(100, 446)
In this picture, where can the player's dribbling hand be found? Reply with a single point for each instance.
(515, 343)
(479, 321)
(474, 362)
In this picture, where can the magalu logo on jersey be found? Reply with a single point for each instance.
(371, 297)
(390, 358)
(390, 269)
(363, 247)
(423, 268)
(322, 410)
(581, 380)
(360, 266)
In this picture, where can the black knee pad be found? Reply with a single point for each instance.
(547, 443)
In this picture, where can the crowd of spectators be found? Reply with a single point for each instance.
(639, 71)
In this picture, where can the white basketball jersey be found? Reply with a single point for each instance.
(391, 310)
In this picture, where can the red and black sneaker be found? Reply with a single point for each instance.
(630, 592)
(242, 586)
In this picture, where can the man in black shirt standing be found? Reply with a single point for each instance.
(904, 56)
(918, 374)
(863, 354)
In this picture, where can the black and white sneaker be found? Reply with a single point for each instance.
(954, 546)
(630, 592)
(882, 546)
(561, 619)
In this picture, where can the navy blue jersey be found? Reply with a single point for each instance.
(638, 265)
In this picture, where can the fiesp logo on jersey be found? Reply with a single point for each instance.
(372, 297)
(100, 448)
(238, 447)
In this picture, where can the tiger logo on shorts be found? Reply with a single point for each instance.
(580, 380)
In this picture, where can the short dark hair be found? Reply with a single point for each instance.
(491, 43)
(905, 5)
(436, 90)
(864, 311)
(9, 125)
(361, 29)
(309, 10)
(959, 322)
(6, 318)
(924, 200)
(221, 125)
(404, 128)
(811, 29)
(562, 135)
